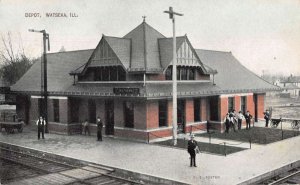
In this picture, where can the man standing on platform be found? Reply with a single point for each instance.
(86, 128)
(41, 123)
(248, 118)
(240, 117)
(192, 147)
(99, 129)
(267, 117)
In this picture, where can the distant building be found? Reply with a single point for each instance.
(128, 83)
(290, 86)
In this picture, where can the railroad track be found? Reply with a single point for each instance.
(290, 177)
(23, 168)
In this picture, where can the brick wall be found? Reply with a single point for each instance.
(83, 110)
(119, 114)
(34, 110)
(250, 104)
(152, 114)
(63, 111)
(189, 111)
(50, 111)
(195, 128)
(260, 105)
(204, 109)
(199, 76)
(131, 134)
(223, 107)
(170, 112)
(140, 115)
(237, 103)
(100, 109)
(156, 77)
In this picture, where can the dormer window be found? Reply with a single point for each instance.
(183, 73)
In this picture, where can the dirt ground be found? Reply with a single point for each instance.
(284, 107)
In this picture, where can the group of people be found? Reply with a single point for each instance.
(86, 128)
(232, 119)
(41, 123)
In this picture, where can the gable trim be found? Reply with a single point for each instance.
(94, 52)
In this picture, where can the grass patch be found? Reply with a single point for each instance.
(260, 135)
(219, 149)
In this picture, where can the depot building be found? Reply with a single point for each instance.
(127, 81)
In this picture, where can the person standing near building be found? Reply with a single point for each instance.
(40, 124)
(240, 117)
(99, 129)
(248, 118)
(227, 123)
(86, 127)
(267, 117)
(232, 120)
(192, 147)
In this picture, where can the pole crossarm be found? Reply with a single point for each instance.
(174, 75)
(172, 13)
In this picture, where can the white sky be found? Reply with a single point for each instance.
(262, 34)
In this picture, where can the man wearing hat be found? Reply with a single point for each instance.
(41, 126)
(267, 117)
(192, 146)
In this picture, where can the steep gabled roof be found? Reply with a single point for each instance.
(232, 75)
(144, 50)
(166, 52)
(166, 49)
(59, 66)
(119, 46)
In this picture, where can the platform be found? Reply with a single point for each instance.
(165, 162)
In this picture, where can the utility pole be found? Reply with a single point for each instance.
(174, 75)
(44, 83)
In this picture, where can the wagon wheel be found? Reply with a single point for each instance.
(274, 123)
(9, 130)
(20, 129)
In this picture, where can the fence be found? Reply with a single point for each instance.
(222, 148)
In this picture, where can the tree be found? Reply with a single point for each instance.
(14, 63)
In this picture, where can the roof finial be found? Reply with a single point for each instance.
(144, 18)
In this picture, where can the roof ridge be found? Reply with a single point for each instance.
(116, 37)
(172, 37)
(70, 51)
(213, 50)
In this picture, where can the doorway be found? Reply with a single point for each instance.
(214, 108)
(180, 116)
(109, 117)
(255, 107)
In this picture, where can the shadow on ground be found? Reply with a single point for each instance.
(219, 149)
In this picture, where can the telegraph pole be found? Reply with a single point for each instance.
(45, 90)
(174, 75)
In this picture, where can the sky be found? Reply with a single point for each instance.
(264, 35)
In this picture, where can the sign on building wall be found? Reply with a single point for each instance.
(126, 91)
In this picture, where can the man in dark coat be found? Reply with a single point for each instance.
(192, 144)
(40, 123)
(248, 118)
(232, 120)
(227, 122)
(99, 129)
(267, 117)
